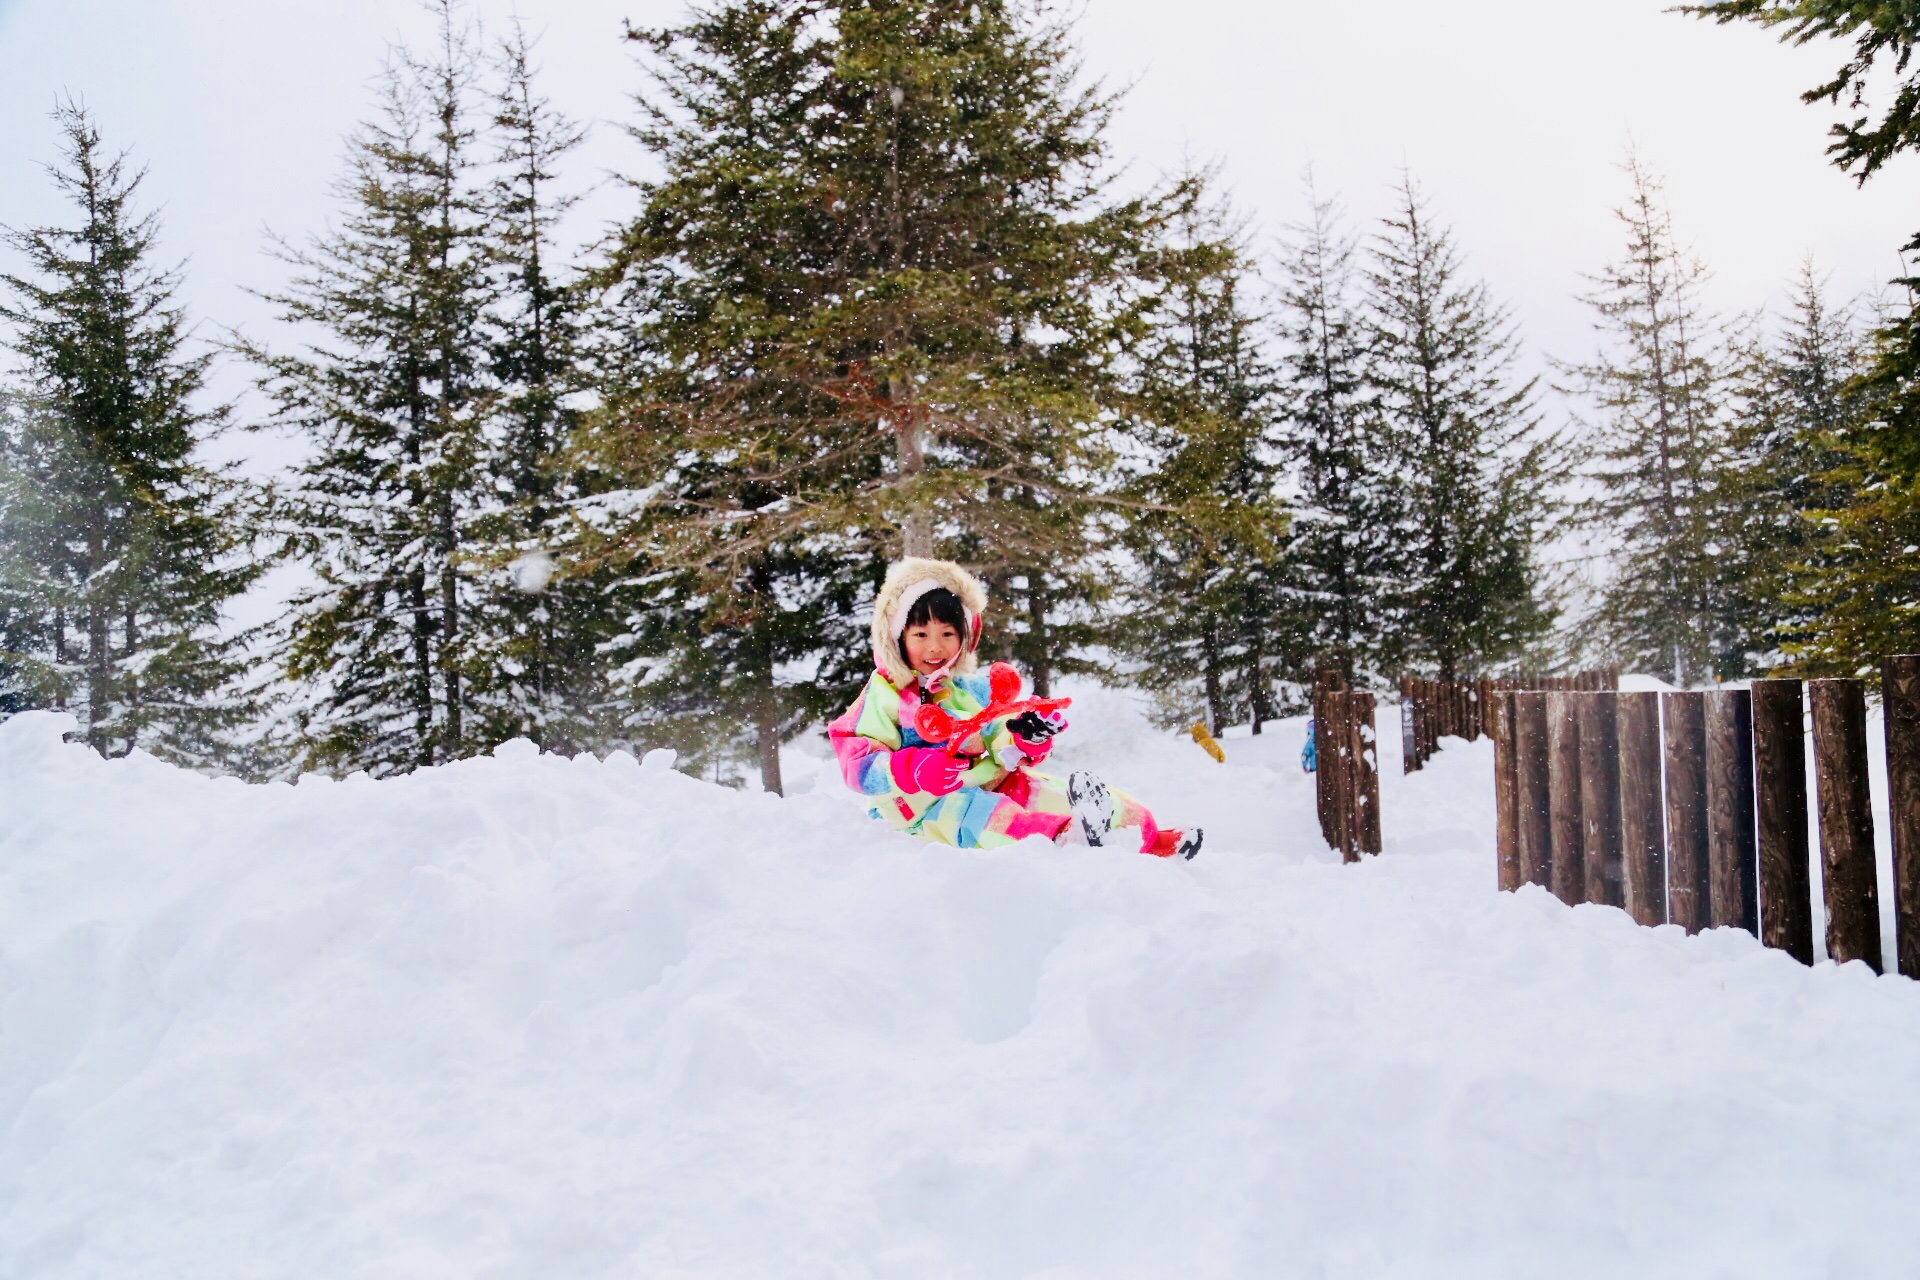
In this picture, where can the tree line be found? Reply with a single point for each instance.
(883, 294)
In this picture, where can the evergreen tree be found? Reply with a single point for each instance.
(1799, 407)
(540, 648)
(1665, 458)
(1203, 611)
(1859, 594)
(1855, 593)
(1835, 519)
(716, 284)
(873, 297)
(118, 549)
(393, 395)
(1345, 550)
(1475, 469)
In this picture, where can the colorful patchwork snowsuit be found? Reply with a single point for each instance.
(1001, 798)
(995, 804)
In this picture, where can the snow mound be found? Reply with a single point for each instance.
(526, 1016)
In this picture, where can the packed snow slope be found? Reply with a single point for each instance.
(532, 1017)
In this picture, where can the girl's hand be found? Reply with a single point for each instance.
(927, 769)
(1033, 734)
(1031, 726)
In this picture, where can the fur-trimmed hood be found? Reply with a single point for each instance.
(905, 579)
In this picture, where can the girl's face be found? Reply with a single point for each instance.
(930, 646)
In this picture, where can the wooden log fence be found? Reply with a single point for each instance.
(1434, 709)
(1347, 766)
(1692, 808)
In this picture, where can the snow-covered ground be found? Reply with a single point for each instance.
(530, 1017)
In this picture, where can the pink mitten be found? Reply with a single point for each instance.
(927, 770)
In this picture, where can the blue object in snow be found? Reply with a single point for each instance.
(1309, 759)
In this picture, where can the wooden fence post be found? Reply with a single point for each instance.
(1684, 721)
(1900, 693)
(1326, 680)
(1506, 794)
(1366, 774)
(1430, 724)
(1731, 895)
(1780, 781)
(1339, 766)
(1642, 833)
(1846, 821)
(1600, 845)
(1563, 772)
(1531, 775)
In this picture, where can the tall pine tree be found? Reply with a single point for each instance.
(747, 626)
(1856, 598)
(1202, 617)
(1664, 455)
(541, 647)
(118, 548)
(1832, 527)
(1345, 548)
(875, 296)
(1476, 469)
(391, 390)
(1799, 408)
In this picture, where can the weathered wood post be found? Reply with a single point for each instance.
(1683, 718)
(1531, 774)
(1600, 843)
(1506, 794)
(1780, 781)
(1365, 787)
(1846, 821)
(1326, 738)
(1900, 692)
(1339, 767)
(1563, 773)
(1732, 898)
(1642, 833)
(1431, 688)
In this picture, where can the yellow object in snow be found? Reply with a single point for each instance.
(1208, 743)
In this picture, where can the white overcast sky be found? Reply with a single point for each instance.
(1513, 113)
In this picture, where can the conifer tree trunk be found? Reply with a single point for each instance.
(450, 630)
(916, 528)
(1257, 685)
(1042, 651)
(767, 729)
(99, 661)
(1210, 658)
(422, 666)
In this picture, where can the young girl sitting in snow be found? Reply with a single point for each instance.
(986, 790)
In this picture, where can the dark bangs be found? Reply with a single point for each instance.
(938, 605)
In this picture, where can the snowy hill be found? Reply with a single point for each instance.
(529, 1017)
